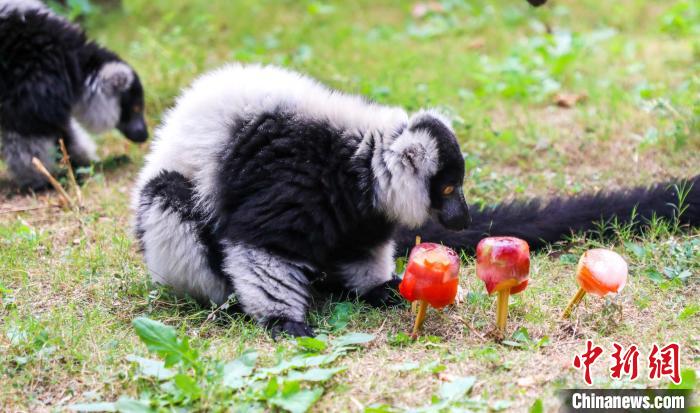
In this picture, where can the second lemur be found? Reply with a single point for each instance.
(53, 82)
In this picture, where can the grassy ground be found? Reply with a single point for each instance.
(71, 283)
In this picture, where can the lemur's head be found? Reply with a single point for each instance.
(423, 174)
(113, 98)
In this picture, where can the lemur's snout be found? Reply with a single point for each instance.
(135, 130)
(454, 213)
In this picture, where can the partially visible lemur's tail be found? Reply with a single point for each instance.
(540, 223)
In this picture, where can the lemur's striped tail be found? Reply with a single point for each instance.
(541, 222)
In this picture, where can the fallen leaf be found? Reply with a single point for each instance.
(477, 43)
(447, 376)
(569, 100)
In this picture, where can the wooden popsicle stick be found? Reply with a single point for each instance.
(414, 305)
(502, 309)
(422, 308)
(56, 185)
(573, 303)
(71, 175)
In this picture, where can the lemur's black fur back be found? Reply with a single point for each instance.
(541, 222)
(298, 200)
(44, 63)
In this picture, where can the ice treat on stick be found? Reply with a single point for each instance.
(503, 264)
(599, 272)
(431, 278)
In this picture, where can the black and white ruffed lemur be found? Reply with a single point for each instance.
(262, 181)
(54, 81)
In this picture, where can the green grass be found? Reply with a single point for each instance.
(71, 284)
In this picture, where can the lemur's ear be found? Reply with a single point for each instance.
(424, 118)
(416, 151)
(115, 77)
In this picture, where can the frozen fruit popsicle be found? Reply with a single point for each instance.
(599, 272)
(503, 264)
(431, 278)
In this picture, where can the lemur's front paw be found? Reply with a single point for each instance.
(281, 326)
(384, 295)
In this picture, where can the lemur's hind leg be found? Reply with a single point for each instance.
(178, 247)
(373, 278)
(18, 151)
(80, 146)
(272, 290)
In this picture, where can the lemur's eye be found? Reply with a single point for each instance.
(137, 109)
(447, 190)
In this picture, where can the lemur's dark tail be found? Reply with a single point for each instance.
(542, 222)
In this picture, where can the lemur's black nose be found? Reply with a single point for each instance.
(454, 214)
(135, 131)
(139, 135)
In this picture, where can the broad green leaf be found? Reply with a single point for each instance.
(235, 371)
(353, 339)
(311, 344)
(93, 407)
(457, 388)
(433, 367)
(301, 361)
(400, 340)
(157, 336)
(568, 258)
(521, 335)
(298, 402)
(544, 341)
(689, 311)
(271, 388)
(314, 374)
(187, 385)
(537, 406)
(151, 368)
(290, 387)
(638, 251)
(162, 340)
(126, 405)
(380, 408)
(341, 316)
(654, 275)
